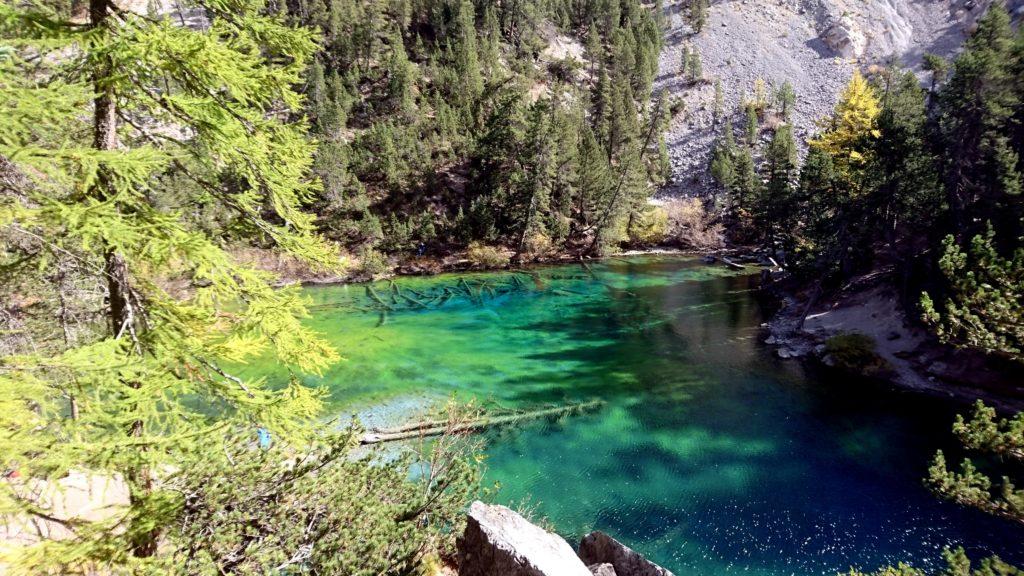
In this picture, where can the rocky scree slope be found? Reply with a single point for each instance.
(814, 44)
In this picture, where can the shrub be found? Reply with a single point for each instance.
(649, 228)
(691, 226)
(855, 353)
(487, 256)
(537, 244)
(372, 262)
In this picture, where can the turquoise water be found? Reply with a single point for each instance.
(710, 455)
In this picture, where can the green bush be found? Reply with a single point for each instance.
(486, 256)
(373, 262)
(649, 228)
(856, 353)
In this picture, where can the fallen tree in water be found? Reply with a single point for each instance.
(428, 428)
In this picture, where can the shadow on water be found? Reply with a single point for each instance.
(710, 455)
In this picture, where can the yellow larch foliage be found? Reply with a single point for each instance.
(853, 125)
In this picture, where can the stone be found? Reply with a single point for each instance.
(844, 39)
(600, 548)
(497, 540)
(602, 569)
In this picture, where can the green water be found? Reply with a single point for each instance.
(710, 455)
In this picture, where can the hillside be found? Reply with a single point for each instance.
(813, 44)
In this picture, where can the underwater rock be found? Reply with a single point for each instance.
(499, 541)
(598, 547)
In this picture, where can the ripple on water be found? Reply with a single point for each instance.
(710, 456)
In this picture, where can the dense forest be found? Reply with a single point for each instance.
(442, 123)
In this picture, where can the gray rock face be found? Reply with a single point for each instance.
(600, 548)
(602, 570)
(498, 541)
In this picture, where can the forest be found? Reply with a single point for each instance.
(149, 150)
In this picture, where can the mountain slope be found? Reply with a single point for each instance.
(813, 44)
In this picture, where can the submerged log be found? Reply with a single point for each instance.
(439, 427)
(733, 265)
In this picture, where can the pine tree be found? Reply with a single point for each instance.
(775, 209)
(904, 190)
(698, 14)
(985, 307)
(694, 68)
(401, 78)
(595, 184)
(938, 67)
(467, 61)
(684, 60)
(719, 100)
(723, 159)
(747, 187)
(752, 125)
(785, 98)
(595, 49)
(975, 106)
(987, 433)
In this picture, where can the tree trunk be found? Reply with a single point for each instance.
(120, 311)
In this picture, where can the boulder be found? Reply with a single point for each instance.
(602, 570)
(845, 39)
(600, 548)
(500, 541)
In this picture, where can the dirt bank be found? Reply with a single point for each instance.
(915, 360)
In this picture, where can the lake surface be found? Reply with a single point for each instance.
(711, 456)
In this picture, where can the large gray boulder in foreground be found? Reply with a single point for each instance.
(499, 542)
(600, 548)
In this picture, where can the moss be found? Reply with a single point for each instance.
(856, 353)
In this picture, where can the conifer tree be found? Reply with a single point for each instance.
(719, 100)
(747, 186)
(987, 433)
(985, 307)
(694, 68)
(976, 104)
(150, 390)
(904, 190)
(698, 14)
(752, 125)
(723, 159)
(850, 131)
(467, 60)
(785, 98)
(401, 78)
(775, 209)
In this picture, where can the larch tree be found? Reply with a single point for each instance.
(97, 119)
(851, 128)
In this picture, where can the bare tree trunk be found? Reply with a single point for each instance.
(121, 311)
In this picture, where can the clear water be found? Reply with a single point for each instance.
(710, 456)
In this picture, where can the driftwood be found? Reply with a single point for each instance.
(733, 265)
(439, 427)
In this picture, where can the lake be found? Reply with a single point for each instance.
(710, 455)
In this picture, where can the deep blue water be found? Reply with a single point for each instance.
(711, 455)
